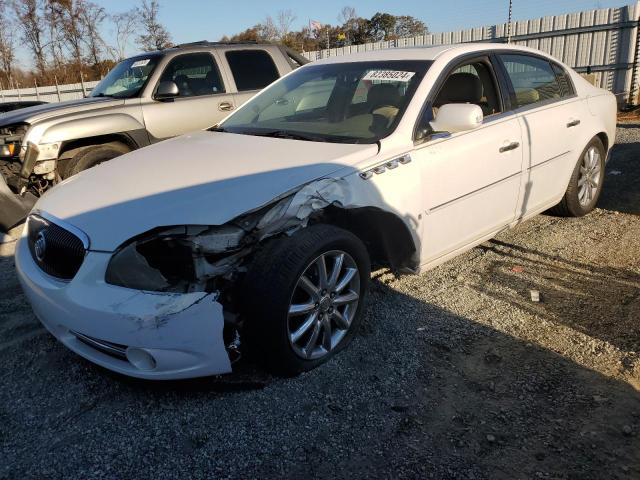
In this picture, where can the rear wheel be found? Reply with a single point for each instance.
(585, 184)
(95, 155)
(304, 296)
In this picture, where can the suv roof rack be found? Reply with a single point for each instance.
(207, 42)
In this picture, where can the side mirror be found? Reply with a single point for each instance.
(457, 117)
(166, 90)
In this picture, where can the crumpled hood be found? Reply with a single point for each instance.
(204, 178)
(40, 112)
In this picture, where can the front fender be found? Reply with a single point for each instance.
(84, 127)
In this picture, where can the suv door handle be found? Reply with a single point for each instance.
(225, 106)
(511, 146)
(573, 123)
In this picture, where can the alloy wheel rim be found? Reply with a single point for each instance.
(589, 179)
(323, 304)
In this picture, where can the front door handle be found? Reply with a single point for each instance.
(511, 146)
(573, 123)
(225, 106)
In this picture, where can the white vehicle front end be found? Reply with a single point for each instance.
(141, 334)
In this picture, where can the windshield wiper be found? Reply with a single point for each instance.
(289, 135)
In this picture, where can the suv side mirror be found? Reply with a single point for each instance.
(167, 89)
(457, 117)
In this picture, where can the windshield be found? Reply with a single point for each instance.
(358, 102)
(127, 78)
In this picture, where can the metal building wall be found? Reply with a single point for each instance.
(602, 42)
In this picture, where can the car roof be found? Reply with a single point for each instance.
(427, 53)
(204, 45)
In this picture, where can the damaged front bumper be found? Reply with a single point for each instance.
(161, 336)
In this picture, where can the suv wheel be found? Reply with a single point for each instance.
(95, 155)
(304, 296)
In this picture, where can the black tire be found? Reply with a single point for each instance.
(270, 284)
(95, 155)
(570, 205)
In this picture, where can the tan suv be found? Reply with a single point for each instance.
(144, 99)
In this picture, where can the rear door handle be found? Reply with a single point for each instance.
(511, 146)
(573, 123)
(225, 106)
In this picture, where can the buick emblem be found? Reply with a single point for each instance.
(40, 246)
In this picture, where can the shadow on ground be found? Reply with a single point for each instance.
(420, 393)
(621, 190)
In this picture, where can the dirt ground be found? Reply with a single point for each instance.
(456, 373)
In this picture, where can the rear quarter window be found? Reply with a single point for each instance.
(533, 79)
(252, 69)
(564, 80)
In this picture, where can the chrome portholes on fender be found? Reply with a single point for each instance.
(386, 166)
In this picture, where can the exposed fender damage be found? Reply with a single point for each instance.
(285, 215)
(293, 212)
(218, 253)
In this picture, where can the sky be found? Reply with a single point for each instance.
(192, 20)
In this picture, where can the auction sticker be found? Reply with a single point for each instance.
(389, 75)
(141, 63)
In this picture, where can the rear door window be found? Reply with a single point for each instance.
(252, 69)
(533, 79)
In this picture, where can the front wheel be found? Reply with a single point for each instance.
(585, 184)
(94, 155)
(304, 296)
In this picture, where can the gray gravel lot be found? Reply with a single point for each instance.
(455, 374)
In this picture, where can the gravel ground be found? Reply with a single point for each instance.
(455, 374)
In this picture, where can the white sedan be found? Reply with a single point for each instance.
(260, 233)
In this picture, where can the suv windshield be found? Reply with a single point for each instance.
(127, 78)
(358, 102)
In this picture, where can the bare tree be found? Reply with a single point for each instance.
(267, 30)
(125, 24)
(7, 42)
(155, 36)
(347, 16)
(285, 19)
(55, 41)
(349, 20)
(73, 29)
(92, 16)
(30, 20)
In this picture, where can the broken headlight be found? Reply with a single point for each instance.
(11, 138)
(180, 259)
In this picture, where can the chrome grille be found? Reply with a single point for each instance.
(56, 250)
